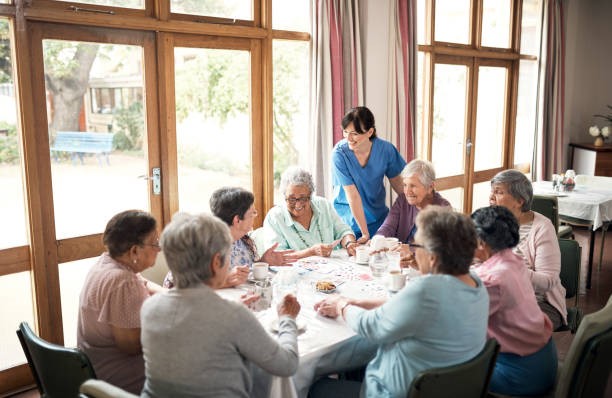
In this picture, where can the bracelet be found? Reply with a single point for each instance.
(349, 242)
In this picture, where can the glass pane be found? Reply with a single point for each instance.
(421, 21)
(490, 117)
(97, 141)
(291, 15)
(453, 21)
(71, 277)
(526, 111)
(448, 141)
(455, 197)
(234, 9)
(531, 27)
(496, 18)
(213, 125)
(480, 194)
(114, 3)
(15, 289)
(290, 106)
(12, 203)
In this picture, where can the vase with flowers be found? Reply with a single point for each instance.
(603, 133)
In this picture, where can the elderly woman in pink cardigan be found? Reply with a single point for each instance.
(538, 243)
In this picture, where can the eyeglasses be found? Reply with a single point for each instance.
(155, 245)
(302, 200)
(414, 246)
(352, 134)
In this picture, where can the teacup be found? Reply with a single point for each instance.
(362, 255)
(391, 243)
(397, 280)
(260, 270)
(378, 242)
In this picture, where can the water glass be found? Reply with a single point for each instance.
(393, 259)
(264, 290)
(378, 264)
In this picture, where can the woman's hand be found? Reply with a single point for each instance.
(249, 299)
(351, 248)
(407, 259)
(331, 306)
(278, 257)
(322, 250)
(364, 238)
(237, 276)
(289, 306)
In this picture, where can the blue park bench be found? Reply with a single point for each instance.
(78, 143)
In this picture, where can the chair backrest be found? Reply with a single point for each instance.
(468, 379)
(587, 363)
(570, 266)
(258, 237)
(594, 367)
(594, 181)
(59, 371)
(547, 206)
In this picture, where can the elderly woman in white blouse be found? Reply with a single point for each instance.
(306, 223)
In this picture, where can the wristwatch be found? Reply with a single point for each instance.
(349, 242)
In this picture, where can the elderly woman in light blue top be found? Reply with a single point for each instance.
(306, 223)
(437, 320)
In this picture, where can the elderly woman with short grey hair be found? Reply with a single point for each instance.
(538, 243)
(189, 331)
(419, 179)
(306, 223)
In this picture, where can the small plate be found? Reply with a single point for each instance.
(301, 325)
(327, 291)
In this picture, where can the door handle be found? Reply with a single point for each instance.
(468, 147)
(155, 180)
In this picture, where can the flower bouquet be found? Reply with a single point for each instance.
(603, 133)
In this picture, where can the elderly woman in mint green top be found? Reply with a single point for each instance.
(307, 224)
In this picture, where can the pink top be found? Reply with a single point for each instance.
(543, 258)
(112, 295)
(515, 319)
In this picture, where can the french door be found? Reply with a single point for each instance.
(469, 138)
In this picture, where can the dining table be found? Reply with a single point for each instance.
(590, 204)
(318, 336)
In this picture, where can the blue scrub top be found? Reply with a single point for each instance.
(385, 160)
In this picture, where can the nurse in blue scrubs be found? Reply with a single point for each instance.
(360, 163)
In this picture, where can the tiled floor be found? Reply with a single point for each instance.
(589, 300)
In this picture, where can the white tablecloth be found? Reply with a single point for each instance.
(586, 203)
(321, 335)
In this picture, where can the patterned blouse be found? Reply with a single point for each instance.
(244, 252)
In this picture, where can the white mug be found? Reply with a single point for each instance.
(391, 243)
(397, 280)
(378, 242)
(362, 255)
(260, 270)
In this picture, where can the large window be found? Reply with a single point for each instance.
(149, 104)
(477, 92)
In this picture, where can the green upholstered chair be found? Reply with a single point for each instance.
(468, 379)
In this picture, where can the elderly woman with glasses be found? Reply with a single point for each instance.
(437, 320)
(306, 223)
(197, 344)
(360, 163)
(538, 243)
(113, 292)
(236, 207)
(527, 362)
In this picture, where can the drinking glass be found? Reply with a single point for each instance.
(378, 264)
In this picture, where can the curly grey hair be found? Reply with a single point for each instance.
(422, 169)
(189, 243)
(295, 175)
(518, 185)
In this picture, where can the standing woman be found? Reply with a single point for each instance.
(111, 298)
(359, 164)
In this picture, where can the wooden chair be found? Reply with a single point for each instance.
(57, 370)
(469, 379)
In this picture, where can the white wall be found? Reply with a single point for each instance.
(588, 63)
(375, 45)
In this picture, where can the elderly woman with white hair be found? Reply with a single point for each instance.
(306, 223)
(538, 243)
(194, 342)
(419, 192)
